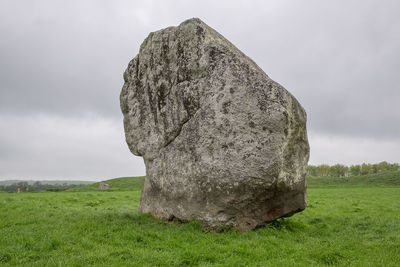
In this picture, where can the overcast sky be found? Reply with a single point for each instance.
(61, 65)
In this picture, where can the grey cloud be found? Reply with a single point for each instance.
(47, 146)
(340, 59)
(63, 60)
(347, 150)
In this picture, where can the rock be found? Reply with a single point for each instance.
(221, 141)
(103, 186)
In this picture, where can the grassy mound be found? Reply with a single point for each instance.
(116, 184)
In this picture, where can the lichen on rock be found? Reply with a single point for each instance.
(222, 142)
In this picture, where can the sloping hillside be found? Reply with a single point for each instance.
(116, 184)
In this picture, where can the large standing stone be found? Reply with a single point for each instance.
(221, 141)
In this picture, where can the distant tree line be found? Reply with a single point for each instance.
(36, 186)
(340, 170)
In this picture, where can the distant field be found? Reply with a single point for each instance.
(52, 182)
(344, 224)
(117, 184)
(136, 183)
(378, 179)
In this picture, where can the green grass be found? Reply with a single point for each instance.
(343, 225)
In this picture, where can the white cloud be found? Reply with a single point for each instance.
(54, 147)
(350, 150)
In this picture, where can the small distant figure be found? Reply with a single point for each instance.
(103, 186)
(18, 190)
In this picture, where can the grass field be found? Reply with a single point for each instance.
(356, 224)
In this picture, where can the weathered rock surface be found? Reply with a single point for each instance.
(221, 141)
